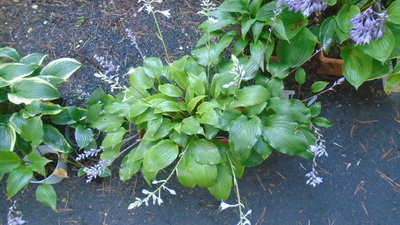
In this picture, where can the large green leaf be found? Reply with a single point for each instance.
(7, 137)
(234, 6)
(258, 154)
(293, 110)
(191, 126)
(83, 136)
(108, 123)
(170, 90)
(205, 152)
(222, 188)
(12, 72)
(392, 82)
(394, 12)
(286, 136)
(243, 135)
(62, 68)
(160, 156)
(252, 95)
(129, 166)
(29, 89)
(37, 163)
(112, 144)
(10, 53)
(153, 67)
(157, 133)
(46, 194)
(298, 51)
(53, 138)
(45, 108)
(139, 79)
(292, 24)
(17, 180)
(357, 66)
(34, 58)
(381, 48)
(9, 161)
(327, 33)
(344, 16)
(32, 131)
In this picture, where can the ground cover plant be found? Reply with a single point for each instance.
(26, 90)
(204, 118)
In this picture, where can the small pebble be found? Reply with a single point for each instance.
(34, 6)
(180, 48)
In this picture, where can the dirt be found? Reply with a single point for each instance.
(361, 175)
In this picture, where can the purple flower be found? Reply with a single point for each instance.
(367, 26)
(306, 7)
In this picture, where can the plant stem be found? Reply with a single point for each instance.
(160, 36)
(240, 205)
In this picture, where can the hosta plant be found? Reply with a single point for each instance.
(26, 89)
(362, 33)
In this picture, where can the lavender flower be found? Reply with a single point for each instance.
(318, 150)
(132, 38)
(108, 66)
(306, 7)
(367, 26)
(87, 154)
(96, 170)
(14, 217)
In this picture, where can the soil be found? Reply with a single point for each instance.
(50, 167)
(361, 175)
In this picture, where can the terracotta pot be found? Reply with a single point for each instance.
(329, 66)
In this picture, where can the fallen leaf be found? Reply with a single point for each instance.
(61, 173)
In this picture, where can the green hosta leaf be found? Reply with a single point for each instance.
(394, 12)
(222, 188)
(327, 34)
(381, 48)
(112, 144)
(32, 131)
(34, 58)
(344, 16)
(293, 23)
(227, 118)
(160, 156)
(46, 194)
(76, 113)
(275, 86)
(45, 108)
(256, 29)
(129, 166)
(153, 67)
(392, 82)
(12, 72)
(62, 68)
(357, 66)
(170, 90)
(252, 95)
(53, 138)
(37, 163)
(379, 69)
(300, 76)
(266, 12)
(63, 118)
(205, 152)
(191, 126)
(322, 122)
(7, 137)
(293, 110)
(258, 154)
(164, 129)
(315, 109)
(278, 70)
(257, 53)
(212, 53)
(285, 136)
(108, 123)
(298, 51)
(9, 161)
(139, 79)
(179, 138)
(246, 25)
(167, 106)
(318, 86)
(342, 36)
(243, 135)
(29, 89)
(193, 103)
(234, 6)
(9, 53)
(83, 137)
(279, 29)
(17, 180)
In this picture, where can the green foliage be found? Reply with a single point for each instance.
(26, 86)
